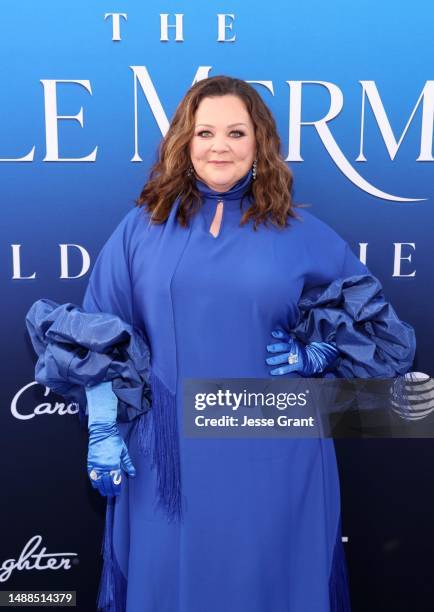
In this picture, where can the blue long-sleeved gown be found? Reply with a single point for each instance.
(260, 525)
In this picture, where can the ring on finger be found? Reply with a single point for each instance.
(116, 476)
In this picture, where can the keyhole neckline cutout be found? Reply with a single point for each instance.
(216, 224)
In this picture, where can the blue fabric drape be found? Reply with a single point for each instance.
(354, 314)
(76, 348)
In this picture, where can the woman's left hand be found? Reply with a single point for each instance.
(307, 359)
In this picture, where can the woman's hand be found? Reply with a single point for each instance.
(107, 457)
(108, 454)
(307, 360)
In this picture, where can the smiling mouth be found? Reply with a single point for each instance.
(219, 162)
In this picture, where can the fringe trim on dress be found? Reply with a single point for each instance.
(113, 585)
(158, 438)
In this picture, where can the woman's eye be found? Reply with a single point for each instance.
(232, 132)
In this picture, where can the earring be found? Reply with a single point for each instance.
(190, 171)
(254, 170)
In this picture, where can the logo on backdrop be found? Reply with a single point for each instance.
(20, 408)
(33, 559)
(413, 396)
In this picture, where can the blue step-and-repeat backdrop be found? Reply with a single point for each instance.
(88, 90)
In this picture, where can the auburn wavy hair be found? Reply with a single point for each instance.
(271, 191)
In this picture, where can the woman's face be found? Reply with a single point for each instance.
(223, 132)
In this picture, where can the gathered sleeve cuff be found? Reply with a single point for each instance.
(353, 313)
(77, 349)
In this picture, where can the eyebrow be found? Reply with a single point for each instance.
(209, 125)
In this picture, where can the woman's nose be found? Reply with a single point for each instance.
(219, 144)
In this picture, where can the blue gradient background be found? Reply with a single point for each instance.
(47, 203)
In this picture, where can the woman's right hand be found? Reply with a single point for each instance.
(107, 455)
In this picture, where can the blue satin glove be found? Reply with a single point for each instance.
(305, 359)
(107, 453)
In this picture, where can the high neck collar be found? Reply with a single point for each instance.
(236, 192)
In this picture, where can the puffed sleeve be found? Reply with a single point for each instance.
(350, 309)
(83, 346)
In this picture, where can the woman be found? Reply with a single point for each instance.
(219, 277)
